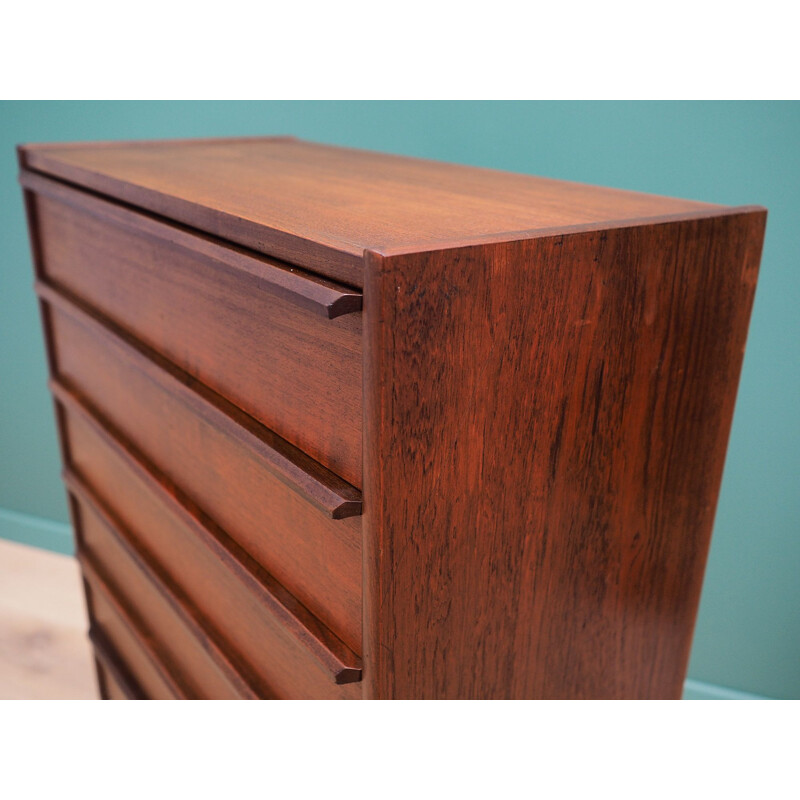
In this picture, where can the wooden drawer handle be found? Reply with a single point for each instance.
(326, 490)
(334, 656)
(98, 584)
(115, 530)
(105, 654)
(302, 288)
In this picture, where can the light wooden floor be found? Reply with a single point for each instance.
(44, 650)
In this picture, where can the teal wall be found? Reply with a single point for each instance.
(748, 633)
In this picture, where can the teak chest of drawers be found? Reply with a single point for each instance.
(338, 424)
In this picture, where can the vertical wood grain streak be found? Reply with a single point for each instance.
(546, 424)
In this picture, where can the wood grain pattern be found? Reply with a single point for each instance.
(326, 490)
(321, 206)
(141, 657)
(549, 373)
(317, 558)
(546, 423)
(195, 656)
(296, 286)
(272, 640)
(111, 687)
(221, 316)
(113, 677)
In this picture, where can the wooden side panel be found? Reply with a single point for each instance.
(546, 423)
(292, 369)
(34, 237)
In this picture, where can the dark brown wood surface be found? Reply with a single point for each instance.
(297, 286)
(335, 497)
(226, 318)
(547, 379)
(196, 660)
(273, 641)
(113, 624)
(546, 423)
(320, 206)
(114, 678)
(314, 556)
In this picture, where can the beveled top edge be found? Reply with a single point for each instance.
(546, 233)
(24, 147)
(307, 290)
(321, 206)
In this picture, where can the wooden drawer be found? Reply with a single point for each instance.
(196, 662)
(110, 687)
(116, 631)
(113, 686)
(254, 331)
(270, 498)
(279, 647)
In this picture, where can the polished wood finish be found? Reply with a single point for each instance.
(200, 664)
(275, 643)
(310, 552)
(322, 206)
(114, 683)
(142, 659)
(560, 451)
(74, 211)
(250, 329)
(143, 369)
(546, 371)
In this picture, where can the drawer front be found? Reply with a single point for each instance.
(253, 331)
(196, 664)
(113, 682)
(112, 689)
(267, 634)
(112, 625)
(316, 558)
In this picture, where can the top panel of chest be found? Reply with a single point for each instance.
(321, 207)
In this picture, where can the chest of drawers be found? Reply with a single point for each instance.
(338, 424)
